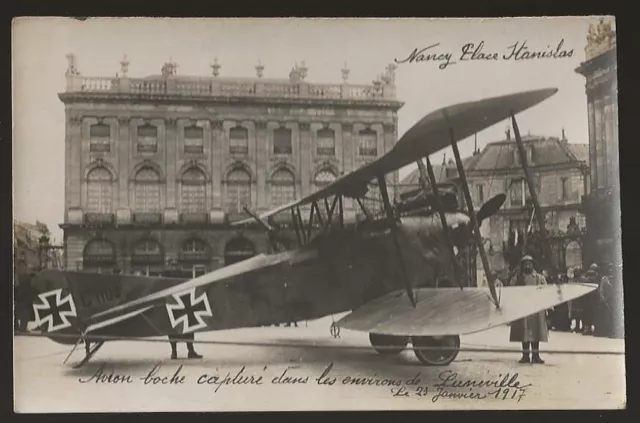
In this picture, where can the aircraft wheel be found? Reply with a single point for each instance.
(434, 357)
(388, 344)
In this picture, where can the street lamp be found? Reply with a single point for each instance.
(43, 241)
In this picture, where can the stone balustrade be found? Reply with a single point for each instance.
(227, 87)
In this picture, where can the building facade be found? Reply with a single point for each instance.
(560, 174)
(32, 249)
(158, 167)
(602, 203)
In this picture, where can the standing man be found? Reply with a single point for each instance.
(173, 339)
(604, 319)
(531, 330)
(590, 301)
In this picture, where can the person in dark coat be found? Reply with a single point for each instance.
(590, 301)
(604, 316)
(174, 339)
(25, 295)
(531, 330)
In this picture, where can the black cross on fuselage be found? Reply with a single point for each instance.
(54, 309)
(189, 310)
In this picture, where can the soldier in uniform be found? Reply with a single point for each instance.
(531, 330)
(173, 339)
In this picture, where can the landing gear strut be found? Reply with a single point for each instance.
(388, 344)
(433, 356)
(89, 352)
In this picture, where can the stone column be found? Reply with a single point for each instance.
(348, 161)
(217, 163)
(389, 131)
(123, 144)
(262, 163)
(305, 169)
(171, 211)
(348, 148)
(74, 169)
(212, 146)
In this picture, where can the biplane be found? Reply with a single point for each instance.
(383, 270)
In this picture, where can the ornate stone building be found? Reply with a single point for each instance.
(157, 167)
(602, 203)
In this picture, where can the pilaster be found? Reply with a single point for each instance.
(171, 210)
(122, 144)
(217, 160)
(262, 159)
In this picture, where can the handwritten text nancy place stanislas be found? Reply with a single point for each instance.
(479, 52)
(446, 385)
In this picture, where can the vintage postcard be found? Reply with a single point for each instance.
(316, 214)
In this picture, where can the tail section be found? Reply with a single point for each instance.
(56, 310)
(67, 301)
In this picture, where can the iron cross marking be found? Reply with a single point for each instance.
(54, 310)
(189, 310)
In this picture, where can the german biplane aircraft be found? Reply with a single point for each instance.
(382, 270)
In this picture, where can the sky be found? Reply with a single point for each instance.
(366, 46)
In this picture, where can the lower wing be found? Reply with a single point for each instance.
(455, 311)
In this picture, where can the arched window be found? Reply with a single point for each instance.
(238, 140)
(194, 256)
(147, 139)
(148, 257)
(368, 142)
(238, 191)
(194, 250)
(326, 142)
(193, 140)
(282, 141)
(238, 249)
(99, 254)
(322, 179)
(99, 191)
(193, 193)
(100, 138)
(283, 188)
(147, 191)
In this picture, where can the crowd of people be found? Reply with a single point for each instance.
(594, 313)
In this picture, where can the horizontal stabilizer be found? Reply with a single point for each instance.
(452, 311)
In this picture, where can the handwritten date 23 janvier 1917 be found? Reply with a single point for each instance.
(506, 387)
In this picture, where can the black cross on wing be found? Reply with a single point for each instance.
(54, 310)
(189, 311)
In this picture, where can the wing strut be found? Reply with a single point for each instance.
(394, 231)
(534, 195)
(443, 219)
(474, 221)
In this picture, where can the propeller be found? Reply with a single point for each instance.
(490, 207)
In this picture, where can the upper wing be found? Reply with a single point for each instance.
(451, 311)
(431, 134)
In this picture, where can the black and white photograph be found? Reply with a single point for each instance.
(316, 214)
